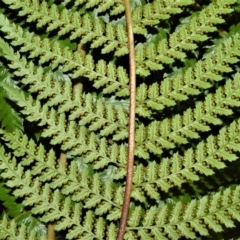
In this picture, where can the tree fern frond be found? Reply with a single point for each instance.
(47, 201)
(190, 166)
(96, 113)
(115, 79)
(210, 212)
(109, 37)
(182, 85)
(186, 136)
(78, 140)
(152, 13)
(9, 230)
(150, 57)
(68, 180)
(178, 129)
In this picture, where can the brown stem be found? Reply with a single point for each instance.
(78, 83)
(131, 128)
(51, 232)
(63, 158)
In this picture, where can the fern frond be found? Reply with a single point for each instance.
(72, 138)
(9, 117)
(13, 208)
(107, 36)
(48, 203)
(113, 7)
(180, 220)
(9, 230)
(68, 180)
(151, 57)
(163, 135)
(96, 113)
(179, 169)
(183, 85)
(152, 13)
(115, 79)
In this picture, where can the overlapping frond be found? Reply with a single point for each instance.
(190, 166)
(179, 220)
(102, 73)
(9, 118)
(193, 30)
(190, 82)
(178, 129)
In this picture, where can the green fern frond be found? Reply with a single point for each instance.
(115, 79)
(78, 139)
(48, 203)
(68, 180)
(152, 13)
(187, 132)
(151, 57)
(180, 220)
(9, 202)
(108, 36)
(182, 85)
(9, 230)
(159, 135)
(97, 113)
(179, 169)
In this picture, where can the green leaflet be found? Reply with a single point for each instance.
(190, 81)
(82, 67)
(38, 196)
(9, 202)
